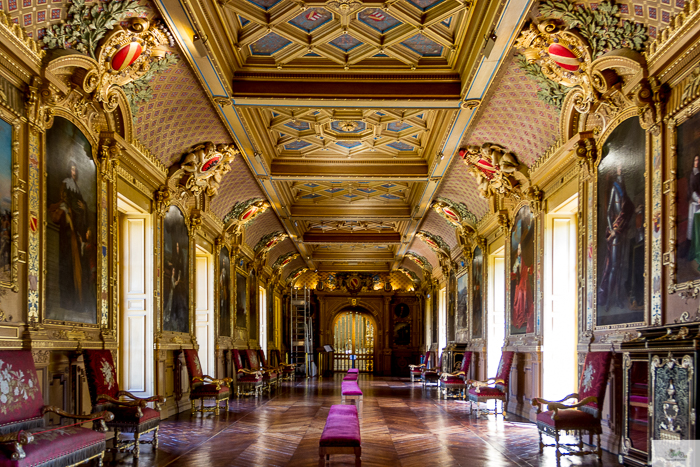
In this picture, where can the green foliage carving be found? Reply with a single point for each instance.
(140, 91)
(86, 25)
(602, 27)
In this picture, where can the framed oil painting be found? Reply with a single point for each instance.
(621, 233)
(462, 302)
(224, 292)
(522, 273)
(176, 272)
(402, 334)
(71, 229)
(8, 202)
(452, 299)
(688, 200)
(253, 307)
(477, 288)
(241, 300)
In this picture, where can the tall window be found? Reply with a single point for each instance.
(262, 300)
(560, 310)
(442, 334)
(497, 310)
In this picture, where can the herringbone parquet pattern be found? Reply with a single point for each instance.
(402, 425)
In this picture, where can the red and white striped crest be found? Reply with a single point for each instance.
(126, 56)
(564, 57)
(313, 15)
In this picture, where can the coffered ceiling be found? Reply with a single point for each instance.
(348, 113)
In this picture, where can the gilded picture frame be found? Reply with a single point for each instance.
(241, 299)
(480, 244)
(593, 234)
(10, 127)
(219, 282)
(101, 206)
(676, 214)
(462, 318)
(182, 207)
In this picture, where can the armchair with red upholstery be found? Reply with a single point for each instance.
(583, 416)
(493, 388)
(270, 373)
(286, 370)
(204, 387)
(417, 370)
(456, 381)
(24, 439)
(248, 380)
(431, 374)
(131, 414)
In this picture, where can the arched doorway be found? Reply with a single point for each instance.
(354, 331)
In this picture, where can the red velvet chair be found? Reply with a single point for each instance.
(248, 380)
(204, 387)
(431, 374)
(493, 388)
(270, 373)
(583, 416)
(24, 440)
(417, 370)
(286, 370)
(456, 381)
(131, 414)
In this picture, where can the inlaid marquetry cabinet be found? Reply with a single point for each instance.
(660, 386)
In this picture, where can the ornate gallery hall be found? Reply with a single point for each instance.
(347, 232)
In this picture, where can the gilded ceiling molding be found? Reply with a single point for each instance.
(678, 26)
(267, 243)
(440, 247)
(559, 51)
(15, 32)
(294, 275)
(243, 213)
(420, 260)
(284, 260)
(499, 174)
(411, 275)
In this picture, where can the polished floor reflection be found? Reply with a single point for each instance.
(402, 425)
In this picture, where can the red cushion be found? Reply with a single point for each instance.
(594, 377)
(466, 361)
(20, 394)
(248, 378)
(453, 380)
(342, 428)
(208, 390)
(55, 444)
(238, 360)
(352, 377)
(504, 367)
(101, 374)
(128, 414)
(194, 368)
(350, 388)
(417, 371)
(270, 375)
(353, 370)
(486, 392)
(569, 419)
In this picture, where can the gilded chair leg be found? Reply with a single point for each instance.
(194, 408)
(541, 443)
(216, 407)
(504, 410)
(100, 459)
(137, 446)
(599, 450)
(155, 438)
(115, 441)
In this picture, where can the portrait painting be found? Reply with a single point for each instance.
(224, 293)
(452, 304)
(688, 201)
(620, 219)
(253, 307)
(477, 293)
(241, 300)
(5, 202)
(71, 230)
(462, 301)
(401, 311)
(402, 333)
(522, 273)
(176, 272)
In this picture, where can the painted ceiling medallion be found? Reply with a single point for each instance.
(284, 260)
(435, 242)
(244, 212)
(497, 171)
(563, 56)
(268, 242)
(294, 275)
(420, 260)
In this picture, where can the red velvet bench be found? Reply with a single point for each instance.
(341, 435)
(350, 377)
(353, 370)
(351, 391)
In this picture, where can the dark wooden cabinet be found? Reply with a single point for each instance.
(659, 384)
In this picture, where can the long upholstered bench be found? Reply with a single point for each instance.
(353, 370)
(350, 391)
(341, 435)
(350, 377)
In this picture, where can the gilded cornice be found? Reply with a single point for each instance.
(15, 35)
(557, 159)
(671, 37)
(148, 171)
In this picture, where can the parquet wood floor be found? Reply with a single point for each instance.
(402, 425)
